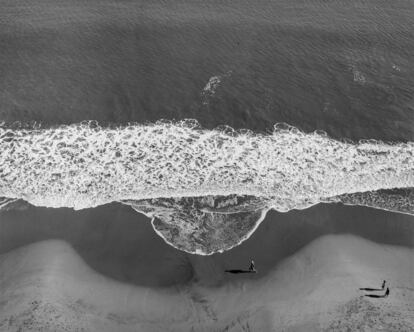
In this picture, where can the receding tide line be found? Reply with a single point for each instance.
(85, 165)
(226, 246)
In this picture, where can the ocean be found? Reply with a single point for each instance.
(336, 66)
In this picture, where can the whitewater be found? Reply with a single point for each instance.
(85, 165)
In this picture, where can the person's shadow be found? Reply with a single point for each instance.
(378, 296)
(371, 289)
(240, 271)
(375, 289)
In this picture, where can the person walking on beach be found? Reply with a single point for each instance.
(252, 268)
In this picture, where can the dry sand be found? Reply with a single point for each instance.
(109, 271)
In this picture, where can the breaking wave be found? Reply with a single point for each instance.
(85, 165)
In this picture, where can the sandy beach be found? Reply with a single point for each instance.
(105, 269)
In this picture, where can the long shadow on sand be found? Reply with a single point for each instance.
(375, 296)
(240, 271)
(121, 244)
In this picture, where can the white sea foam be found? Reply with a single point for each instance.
(212, 85)
(359, 77)
(6, 202)
(401, 200)
(396, 67)
(84, 165)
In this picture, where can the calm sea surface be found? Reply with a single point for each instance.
(345, 67)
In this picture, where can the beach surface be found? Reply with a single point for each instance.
(64, 270)
(50, 288)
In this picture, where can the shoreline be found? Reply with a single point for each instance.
(117, 241)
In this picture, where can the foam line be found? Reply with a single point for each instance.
(85, 165)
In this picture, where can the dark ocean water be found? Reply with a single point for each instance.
(344, 67)
(341, 66)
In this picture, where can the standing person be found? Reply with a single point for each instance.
(387, 292)
(383, 284)
(252, 268)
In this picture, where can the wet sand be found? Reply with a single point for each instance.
(120, 243)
